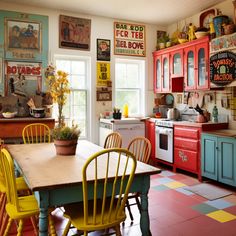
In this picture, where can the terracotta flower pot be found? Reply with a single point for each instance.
(65, 147)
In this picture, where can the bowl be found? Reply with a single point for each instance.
(200, 34)
(9, 114)
(182, 40)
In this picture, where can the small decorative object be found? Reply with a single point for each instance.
(126, 111)
(9, 114)
(191, 31)
(229, 28)
(219, 21)
(116, 113)
(206, 17)
(103, 49)
(65, 138)
(215, 114)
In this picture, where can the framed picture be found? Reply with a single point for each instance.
(103, 74)
(129, 39)
(74, 33)
(23, 37)
(103, 50)
(104, 94)
(23, 78)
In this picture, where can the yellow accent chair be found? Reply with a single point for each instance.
(106, 209)
(17, 207)
(113, 140)
(36, 133)
(141, 148)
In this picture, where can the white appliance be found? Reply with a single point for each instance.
(164, 140)
(128, 128)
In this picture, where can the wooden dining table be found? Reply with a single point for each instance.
(57, 180)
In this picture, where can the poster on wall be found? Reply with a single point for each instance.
(129, 39)
(74, 33)
(223, 68)
(23, 78)
(103, 50)
(103, 74)
(23, 38)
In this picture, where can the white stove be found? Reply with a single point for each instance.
(165, 123)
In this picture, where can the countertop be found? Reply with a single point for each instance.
(223, 132)
(123, 120)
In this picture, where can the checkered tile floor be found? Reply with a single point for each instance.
(174, 211)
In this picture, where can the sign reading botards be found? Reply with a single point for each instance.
(129, 39)
(223, 68)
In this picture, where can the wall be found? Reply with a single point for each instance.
(226, 8)
(100, 28)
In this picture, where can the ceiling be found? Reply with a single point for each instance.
(158, 12)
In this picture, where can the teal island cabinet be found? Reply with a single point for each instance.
(218, 156)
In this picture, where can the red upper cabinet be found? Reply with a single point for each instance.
(186, 63)
(196, 65)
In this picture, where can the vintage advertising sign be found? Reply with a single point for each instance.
(223, 68)
(103, 73)
(129, 39)
(23, 78)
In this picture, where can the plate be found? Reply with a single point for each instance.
(169, 99)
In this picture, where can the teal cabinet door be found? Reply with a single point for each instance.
(227, 160)
(209, 156)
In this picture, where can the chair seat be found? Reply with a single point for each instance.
(28, 206)
(75, 213)
(20, 184)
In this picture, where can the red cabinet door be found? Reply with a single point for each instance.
(157, 73)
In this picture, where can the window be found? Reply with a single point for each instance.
(129, 85)
(76, 109)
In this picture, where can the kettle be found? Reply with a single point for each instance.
(173, 114)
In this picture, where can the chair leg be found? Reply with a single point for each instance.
(138, 203)
(117, 228)
(67, 228)
(4, 223)
(20, 227)
(129, 210)
(52, 229)
(8, 227)
(3, 200)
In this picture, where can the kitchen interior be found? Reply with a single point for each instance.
(190, 100)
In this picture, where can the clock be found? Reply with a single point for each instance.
(207, 17)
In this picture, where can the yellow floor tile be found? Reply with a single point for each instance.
(221, 216)
(175, 184)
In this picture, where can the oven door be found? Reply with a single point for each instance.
(164, 143)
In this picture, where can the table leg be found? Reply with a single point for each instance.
(43, 222)
(144, 219)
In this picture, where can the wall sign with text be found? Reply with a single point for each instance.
(223, 68)
(129, 39)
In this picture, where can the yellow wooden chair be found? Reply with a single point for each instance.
(113, 140)
(17, 208)
(20, 185)
(36, 133)
(141, 148)
(106, 209)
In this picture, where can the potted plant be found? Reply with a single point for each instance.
(65, 138)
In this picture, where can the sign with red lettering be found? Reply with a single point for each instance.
(129, 39)
(223, 68)
(30, 70)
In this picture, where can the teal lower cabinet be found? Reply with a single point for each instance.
(218, 158)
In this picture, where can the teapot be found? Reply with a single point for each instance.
(173, 114)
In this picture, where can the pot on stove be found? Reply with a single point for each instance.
(173, 114)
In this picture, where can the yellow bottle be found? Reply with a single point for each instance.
(126, 111)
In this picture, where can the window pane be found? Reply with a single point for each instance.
(130, 97)
(75, 109)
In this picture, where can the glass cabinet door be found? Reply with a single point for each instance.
(201, 67)
(165, 85)
(177, 64)
(190, 69)
(158, 73)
